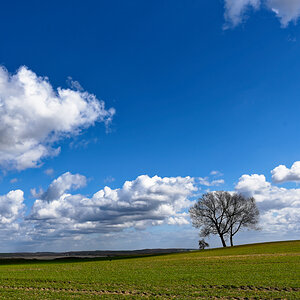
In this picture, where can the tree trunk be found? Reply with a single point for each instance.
(223, 241)
(231, 237)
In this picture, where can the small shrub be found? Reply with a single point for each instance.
(203, 244)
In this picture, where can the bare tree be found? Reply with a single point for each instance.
(208, 214)
(224, 214)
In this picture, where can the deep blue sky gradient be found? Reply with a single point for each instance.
(190, 97)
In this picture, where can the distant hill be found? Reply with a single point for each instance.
(88, 254)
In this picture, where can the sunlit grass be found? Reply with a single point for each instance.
(269, 270)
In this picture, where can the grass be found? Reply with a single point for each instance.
(268, 271)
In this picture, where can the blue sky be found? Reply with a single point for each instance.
(190, 87)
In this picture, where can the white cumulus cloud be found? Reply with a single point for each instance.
(286, 10)
(280, 207)
(282, 174)
(33, 116)
(63, 183)
(206, 182)
(249, 183)
(11, 207)
(236, 9)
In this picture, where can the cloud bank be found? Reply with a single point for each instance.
(236, 10)
(279, 207)
(33, 116)
(143, 202)
(60, 217)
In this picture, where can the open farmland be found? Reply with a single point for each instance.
(269, 270)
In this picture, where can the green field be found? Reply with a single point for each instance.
(269, 270)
